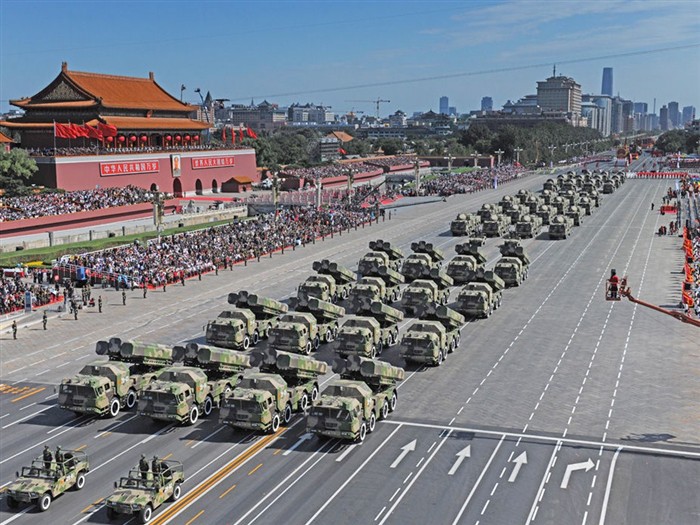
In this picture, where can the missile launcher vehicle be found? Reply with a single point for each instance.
(576, 213)
(481, 296)
(135, 495)
(360, 335)
(104, 388)
(182, 393)
(370, 261)
(43, 481)
(416, 266)
(349, 407)
(321, 287)
(608, 187)
(380, 283)
(560, 227)
(547, 196)
(517, 212)
(344, 278)
(326, 315)
(435, 335)
(528, 226)
(524, 195)
(570, 196)
(263, 400)
(560, 204)
(388, 318)
(297, 332)
(488, 210)
(495, 226)
(533, 203)
(266, 310)
(546, 212)
(586, 203)
(465, 224)
(507, 203)
(550, 185)
(395, 254)
(421, 293)
(514, 264)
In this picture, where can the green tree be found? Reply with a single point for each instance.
(390, 146)
(16, 168)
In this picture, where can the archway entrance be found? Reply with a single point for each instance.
(154, 187)
(214, 186)
(177, 188)
(198, 187)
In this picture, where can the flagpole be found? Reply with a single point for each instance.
(54, 137)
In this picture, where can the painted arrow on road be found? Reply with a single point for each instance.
(519, 462)
(586, 465)
(410, 447)
(461, 455)
(303, 438)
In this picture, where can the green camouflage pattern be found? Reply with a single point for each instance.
(576, 213)
(528, 226)
(416, 266)
(464, 224)
(471, 247)
(495, 226)
(460, 268)
(394, 253)
(511, 270)
(340, 273)
(236, 329)
(424, 342)
(296, 332)
(419, 294)
(560, 227)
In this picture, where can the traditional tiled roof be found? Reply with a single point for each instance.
(341, 136)
(109, 91)
(4, 138)
(17, 124)
(145, 124)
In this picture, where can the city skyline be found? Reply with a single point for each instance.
(465, 51)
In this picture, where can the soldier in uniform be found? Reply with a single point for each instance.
(143, 466)
(44, 320)
(99, 303)
(59, 459)
(145, 290)
(14, 329)
(124, 297)
(155, 467)
(47, 457)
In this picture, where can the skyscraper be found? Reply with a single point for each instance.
(663, 118)
(486, 104)
(674, 116)
(688, 114)
(607, 88)
(560, 94)
(444, 106)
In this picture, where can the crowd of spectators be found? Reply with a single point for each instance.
(445, 185)
(103, 150)
(12, 290)
(396, 160)
(61, 203)
(176, 257)
(331, 170)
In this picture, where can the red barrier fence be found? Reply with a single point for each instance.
(661, 174)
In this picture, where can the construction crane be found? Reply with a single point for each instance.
(612, 294)
(376, 102)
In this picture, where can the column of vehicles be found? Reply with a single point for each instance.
(562, 205)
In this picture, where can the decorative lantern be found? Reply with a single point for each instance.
(122, 138)
(132, 138)
(144, 138)
(195, 138)
(110, 139)
(168, 138)
(177, 138)
(187, 137)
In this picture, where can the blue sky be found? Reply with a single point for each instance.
(291, 51)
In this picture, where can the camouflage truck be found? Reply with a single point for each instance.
(560, 227)
(136, 495)
(464, 224)
(369, 289)
(576, 213)
(344, 278)
(321, 287)
(571, 196)
(450, 319)
(514, 264)
(326, 315)
(533, 203)
(487, 210)
(495, 226)
(471, 248)
(296, 332)
(436, 254)
(481, 296)
(586, 203)
(43, 481)
(286, 383)
(507, 203)
(349, 407)
(103, 388)
(546, 212)
(524, 195)
(550, 185)
(421, 293)
(360, 335)
(182, 393)
(517, 212)
(395, 254)
(425, 342)
(416, 266)
(371, 260)
(266, 311)
(389, 319)
(528, 226)
(236, 329)
(608, 186)
(547, 196)
(595, 197)
(561, 204)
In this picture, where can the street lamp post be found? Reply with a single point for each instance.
(275, 190)
(499, 152)
(517, 154)
(475, 156)
(449, 160)
(417, 175)
(552, 147)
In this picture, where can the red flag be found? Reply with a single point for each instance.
(107, 129)
(62, 131)
(252, 133)
(93, 133)
(233, 136)
(223, 135)
(78, 131)
(342, 151)
(240, 134)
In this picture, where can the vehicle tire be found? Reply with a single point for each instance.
(373, 352)
(177, 492)
(329, 336)
(256, 338)
(287, 414)
(392, 402)
(112, 514)
(440, 359)
(193, 416)
(131, 399)
(44, 502)
(274, 427)
(385, 410)
(246, 342)
(335, 332)
(344, 294)
(79, 481)
(395, 336)
(458, 339)
(208, 406)
(317, 342)
(452, 347)
(146, 513)
(308, 348)
(314, 394)
(267, 332)
(372, 423)
(380, 347)
(12, 502)
(114, 407)
(304, 403)
(363, 433)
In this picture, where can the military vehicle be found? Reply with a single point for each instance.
(533, 203)
(461, 267)
(296, 332)
(561, 204)
(517, 212)
(488, 210)
(135, 494)
(546, 212)
(464, 224)
(481, 296)
(344, 278)
(608, 187)
(523, 196)
(103, 388)
(595, 197)
(547, 196)
(263, 400)
(235, 329)
(421, 293)
(514, 264)
(586, 203)
(576, 213)
(182, 393)
(471, 248)
(389, 319)
(416, 266)
(395, 254)
(570, 196)
(495, 226)
(372, 260)
(321, 287)
(435, 335)
(380, 283)
(266, 310)
(550, 185)
(568, 185)
(528, 226)
(42, 481)
(349, 407)
(360, 335)
(560, 227)
(325, 313)
(507, 203)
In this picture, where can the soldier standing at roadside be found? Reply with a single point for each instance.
(124, 297)
(145, 290)
(44, 320)
(99, 303)
(14, 329)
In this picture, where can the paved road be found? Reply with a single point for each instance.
(560, 408)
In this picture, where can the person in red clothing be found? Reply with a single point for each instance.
(613, 283)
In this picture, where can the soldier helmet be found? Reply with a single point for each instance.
(58, 448)
(155, 457)
(143, 456)
(46, 447)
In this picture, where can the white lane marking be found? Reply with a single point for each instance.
(540, 490)
(304, 437)
(27, 417)
(204, 439)
(117, 425)
(608, 487)
(41, 442)
(345, 453)
(143, 441)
